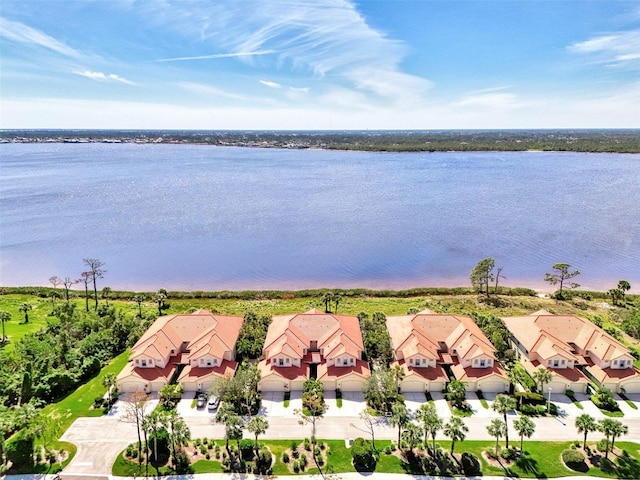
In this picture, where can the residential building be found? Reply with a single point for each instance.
(313, 344)
(426, 344)
(194, 349)
(575, 350)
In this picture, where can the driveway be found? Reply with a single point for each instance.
(413, 401)
(442, 407)
(272, 404)
(476, 405)
(565, 406)
(588, 406)
(186, 411)
(628, 410)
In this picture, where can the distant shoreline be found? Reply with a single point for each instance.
(425, 141)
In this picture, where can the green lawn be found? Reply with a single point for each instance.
(541, 460)
(15, 329)
(79, 403)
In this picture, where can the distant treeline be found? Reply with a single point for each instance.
(45, 292)
(613, 141)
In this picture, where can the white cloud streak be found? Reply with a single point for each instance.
(616, 49)
(217, 56)
(103, 77)
(23, 34)
(270, 84)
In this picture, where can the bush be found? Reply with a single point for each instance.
(183, 464)
(263, 461)
(307, 444)
(607, 465)
(528, 409)
(470, 464)
(246, 448)
(161, 439)
(574, 460)
(509, 454)
(19, 450)
(530, 397)
(285, 457)
(363, 455)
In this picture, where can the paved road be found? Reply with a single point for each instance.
(100, 440)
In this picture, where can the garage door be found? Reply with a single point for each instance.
(130, 387)
(492, 387)
(328, 385)
(413, 386)
(556, 387)
(632, 387)
(436, 386)
(272, 386)
(352, 386)
(189, 386)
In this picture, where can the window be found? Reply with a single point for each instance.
(345, 361)
(280, 361)
(351, 361)
(482, 363)
(202, 361)
(151, 361)
(615, 362)
(555, 363)
(209, 363)
(562, 362)
(411, 361)
(286, 361)
(144, 362)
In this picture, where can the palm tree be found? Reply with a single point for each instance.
(224, 413)
(398, 374)
(109, 382)
(496, 429)
(607, 426)
(456, 392)
(399, 417)
(26, 308)
(456, 430)
(336, 300)
(624, 287)
(542, 376)
(179, 434)
(504, 404)
(160, 297)
(4, 317)
(412, 434)
(617, 430)
(431, 422)
(585, 423)
(106, 292)
(525, 427)
(516, 375)
(139, 299)
(153, 423)
(326, 299)
(257, 426)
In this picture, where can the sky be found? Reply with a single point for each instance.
(319, 65)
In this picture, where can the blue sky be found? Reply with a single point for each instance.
(332, 64)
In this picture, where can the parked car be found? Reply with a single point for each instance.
(201, 401)
(213, 403)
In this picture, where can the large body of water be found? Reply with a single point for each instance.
(208, 218)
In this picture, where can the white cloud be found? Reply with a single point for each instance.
(23, 34)
(217, 56)
(103, 77)
(619, 49)
(269, 84)
(490, 100)
(322, 37)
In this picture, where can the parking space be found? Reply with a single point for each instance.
(442, 407)
(413, 401)
(187, 408)
(272, 404)
(119, 408)
(628, 410)
(352, 403)
(476, 405)
(565, 406)
(587, 405)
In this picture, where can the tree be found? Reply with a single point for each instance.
(179, 434)
(26, 308)
(607, 426)
(152, 424)
(399, 417)
(516, 375)
(327, 298)
(497, 278)
(336, 301)
(257, 426)
(109, 382)
(561, 274)
(67, 283)
(139, 299)
(504, 404)
(55, 281)
(314, 403)
(456, 430)
(496, 429)
(585, 423)
(380, 390)
(160, 297)
(398, 374)
(481, 275)
(456, 392)
(616, 294)
(412, 435)
(370, 422)
(623, 287)
(617, 430)
(525, 428)
(85, 277)
(542, 376)
(4, 317)
(134, 412)
(106, 293)
(431, 422)
(96, 270)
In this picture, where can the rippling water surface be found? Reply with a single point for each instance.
(201, 217)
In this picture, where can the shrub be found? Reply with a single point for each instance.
(509, 454)
(246, 448)
(307, 444)
(263, 461)
(363, 455)
(296, 466)
(161, 439)
(607, 465)
(530, 397)
(574, 460)
(470, 464)
(183, 464)
(285, 457)
(19, 450)
(528, 409)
